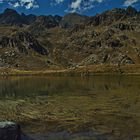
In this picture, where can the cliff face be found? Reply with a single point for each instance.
(112, 37)
(19, 46)
(22, 42)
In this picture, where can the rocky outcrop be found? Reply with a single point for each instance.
(23, 42)
(107, 34)
(113, 43)
(107, 58)
(47, 21)
(130, 11)
(43, 23)
(123, 26)
(107, 17)
(120, 58)
(111, 16)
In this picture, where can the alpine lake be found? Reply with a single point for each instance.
(73, 108)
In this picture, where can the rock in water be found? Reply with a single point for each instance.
(9, 131)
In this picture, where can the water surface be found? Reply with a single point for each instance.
(75, 108)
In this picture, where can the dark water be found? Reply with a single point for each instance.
(99, 107)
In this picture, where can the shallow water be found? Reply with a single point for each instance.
(98, 107)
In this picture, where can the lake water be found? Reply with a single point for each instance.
(73, 108)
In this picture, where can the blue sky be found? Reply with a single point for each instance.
(61, 7)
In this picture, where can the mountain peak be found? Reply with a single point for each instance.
(131, 10)
(10, 11)
(72, 19)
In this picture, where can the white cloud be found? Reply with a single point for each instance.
(56, 2)
(72, 5)
(77, 5)
(82, 5)
(1, 1)
(130, 2)
(59, 1)
(28, 4)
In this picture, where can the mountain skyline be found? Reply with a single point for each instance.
(74, 40)
(62, 7)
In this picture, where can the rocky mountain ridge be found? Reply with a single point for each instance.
(74, 40)
(12, 17)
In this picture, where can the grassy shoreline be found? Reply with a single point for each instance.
(79, 71)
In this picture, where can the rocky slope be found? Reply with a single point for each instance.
(109, 38)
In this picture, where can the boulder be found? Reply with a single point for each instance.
(9, 131)
(12, 131)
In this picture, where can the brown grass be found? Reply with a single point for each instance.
(81, 71)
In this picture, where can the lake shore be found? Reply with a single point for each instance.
(74, 71)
